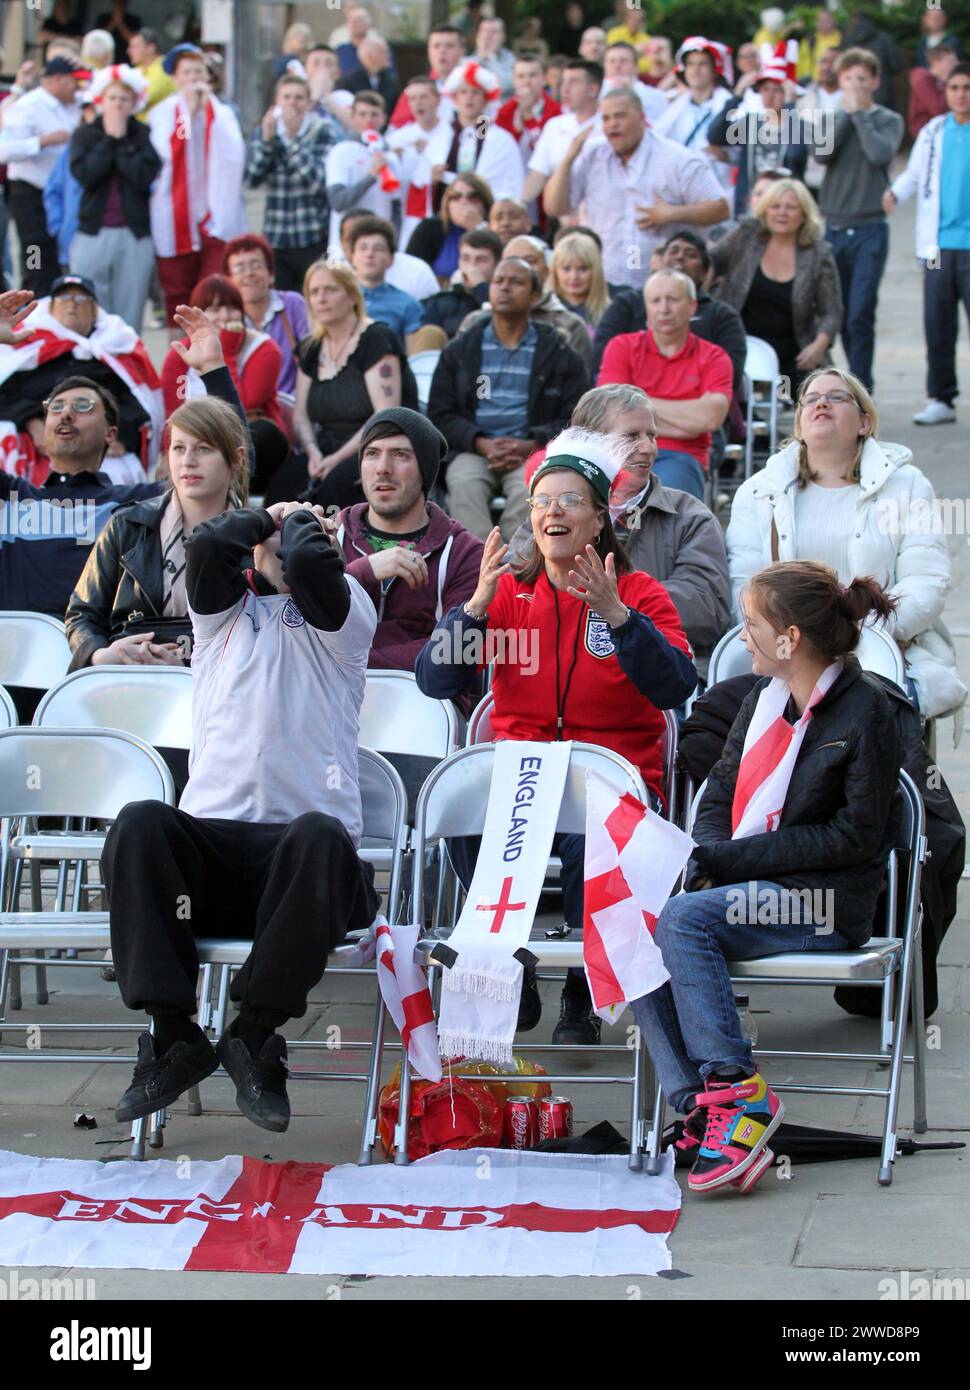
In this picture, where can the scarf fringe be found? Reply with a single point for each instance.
(473, 1045)
(480, 982)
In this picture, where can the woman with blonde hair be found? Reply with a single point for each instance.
(836, 495)
(349, 368)
(779, 273)
(576, 275)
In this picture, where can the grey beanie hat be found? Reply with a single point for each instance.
(430, 445)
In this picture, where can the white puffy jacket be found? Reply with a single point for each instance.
(898, 540)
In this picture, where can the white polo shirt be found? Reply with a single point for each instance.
(31, 116)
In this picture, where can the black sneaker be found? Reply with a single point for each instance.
(260, 1081)
(530, 1005)
(159, 1081)
(578, 1024)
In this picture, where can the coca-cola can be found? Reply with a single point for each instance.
(520, 1122)
(555, 1118)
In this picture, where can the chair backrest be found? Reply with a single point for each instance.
(760, 361)
(422, 364)
(480, 722)
(8, 711)
(879, 653)
(384, 807)
(729, 658)
(396, 717)
(34, 651)
(78, 772)
(152, 702)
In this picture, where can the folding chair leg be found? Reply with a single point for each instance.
(368, 1136)
(40, 976)
(139, 1129)
(919, 1034)
(194, 1100)
(16, 998)
(222, 1003)
(903, 994)
(156, 1137)
(404, 1106)
(655, 1141)
(636, 1105)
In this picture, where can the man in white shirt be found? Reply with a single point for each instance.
(620, 67)
(579, 94)
(361, 171)
(410, 143)
(37, 127)
(638, 187)
(408, 273)
(264, 841)
(688, 115)
(472, 145)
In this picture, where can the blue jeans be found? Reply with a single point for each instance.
(681, 470)
(690, 1025)
(944, 286)
(860, 255)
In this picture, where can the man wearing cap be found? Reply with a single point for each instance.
(471, 144)
(766, 130)
(196, 201)
(37, 125)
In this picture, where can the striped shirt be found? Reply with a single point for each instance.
(505, 407)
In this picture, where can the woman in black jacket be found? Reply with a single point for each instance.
(791, 840)
(135, 572)
(115, 162)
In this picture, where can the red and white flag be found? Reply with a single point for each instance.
(771, 748)
(477, 1212)
(633, 859)
(199, 187)
(407, 998)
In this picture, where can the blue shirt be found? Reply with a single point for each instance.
(955, 187)
(398, 310)
(505, 409)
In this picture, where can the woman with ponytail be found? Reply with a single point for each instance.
(836, 495)
(791, 839)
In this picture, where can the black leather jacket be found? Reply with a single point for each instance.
(838, 820)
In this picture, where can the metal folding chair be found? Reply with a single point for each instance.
(892, 963)
(761, 368)
(876, 652)
(152, 702)
(422, 364)
(8, 711)
(34, 652)
(453, 802)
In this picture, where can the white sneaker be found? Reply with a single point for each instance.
(935, 413)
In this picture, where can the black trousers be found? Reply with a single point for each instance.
(945, 286)
(39, 260)
(294, 890)
(293, 262)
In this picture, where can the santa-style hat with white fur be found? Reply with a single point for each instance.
(720, 54)
(473, 74)
(778, 64)
(594, 456)
(128, 76)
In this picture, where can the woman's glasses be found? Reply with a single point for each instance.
(833, 397)
(568, 501)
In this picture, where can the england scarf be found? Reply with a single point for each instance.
(633, 859)
(179, 216)
(483, 981)
(407, 998)
(112, 341)
(771, 748)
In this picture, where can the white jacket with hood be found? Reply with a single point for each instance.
(898, 539)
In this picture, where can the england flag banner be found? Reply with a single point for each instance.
(404, 988)
(479, 1211)
(633, 859)
(482, 984)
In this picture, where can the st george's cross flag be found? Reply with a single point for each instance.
(533, 1213)
(407, 998)
(633, 859)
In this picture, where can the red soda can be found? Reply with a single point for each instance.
(520, 1122)
(555, 1118)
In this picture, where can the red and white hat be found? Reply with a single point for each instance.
(473, 74)
(130, 77)
(720, 53)
(778, 64)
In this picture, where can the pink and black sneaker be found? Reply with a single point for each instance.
(741, 1117)
(686, 1149)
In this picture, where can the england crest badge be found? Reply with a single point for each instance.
(292, 617)
(599, 641)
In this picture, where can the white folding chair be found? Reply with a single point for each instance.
(729, 658)
(152, 702)
(8, 711)
(422, 364)
(453, 802)
(876, 652)
(396, 717)
(892, 963)
(34, 652)
(761, 369)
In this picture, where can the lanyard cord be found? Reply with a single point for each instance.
(561, 703)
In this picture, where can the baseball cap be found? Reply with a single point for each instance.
(170, 61)
(69, 282)
(65, 67)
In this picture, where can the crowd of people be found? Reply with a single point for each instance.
(474, 370)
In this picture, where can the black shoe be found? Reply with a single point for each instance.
(577, 1022)
(530, 1005)
(159, 1081)
(260, 1081)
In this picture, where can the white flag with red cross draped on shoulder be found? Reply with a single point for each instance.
(633, 860)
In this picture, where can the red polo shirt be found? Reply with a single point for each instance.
(699, 367)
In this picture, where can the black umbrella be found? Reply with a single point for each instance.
(805, 1145)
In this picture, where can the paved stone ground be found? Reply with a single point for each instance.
(829, 1232)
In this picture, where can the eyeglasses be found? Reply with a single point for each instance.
(833, 398)
(568, 501)
(83, 405)
(73, 299)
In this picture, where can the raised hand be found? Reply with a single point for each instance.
(595, 584)
(493, 566)
(204, 351)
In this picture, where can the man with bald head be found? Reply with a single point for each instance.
(688, 380)
(374, 72)
(550, 308)
(638, 188)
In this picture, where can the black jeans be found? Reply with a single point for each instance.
(860, 256)
(294, 890)
(39, 262)
(945, 286)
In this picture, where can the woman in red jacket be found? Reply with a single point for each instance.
(252, 357)
(593, 650)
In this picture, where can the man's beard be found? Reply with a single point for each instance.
(72, 449)
(389, 510)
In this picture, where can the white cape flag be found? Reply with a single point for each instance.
(407, 998)
(536, 1214)
(633, 859)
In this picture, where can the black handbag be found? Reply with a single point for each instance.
(177, 630)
